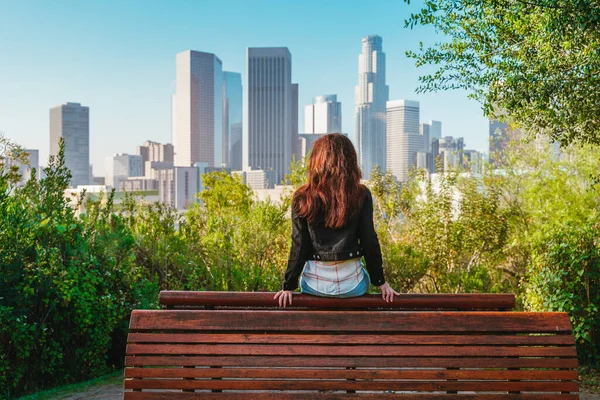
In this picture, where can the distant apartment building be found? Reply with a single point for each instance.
(120, 167)
(178, 186)
(71, 122)
(403, 138)
(256, 178)
(197, 109)
(232, 120)
(451, 152)
(154, 151)
(473, 161)
(371, 95)
(268, 141)
(138, 184)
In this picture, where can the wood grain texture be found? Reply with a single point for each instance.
(319, 338)
(430, 386)
(349, 361)
(404, 301)
(350, 321)
(368, 374)
(342, 350)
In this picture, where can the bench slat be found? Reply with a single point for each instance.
(352, 362)
(335, 396)
(281, 338)
(441, 301)
(302, 373)
(381, 321)
(357, 350)
(235, 384)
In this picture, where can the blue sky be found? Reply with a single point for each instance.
(118, 58)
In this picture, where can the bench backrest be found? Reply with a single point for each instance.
(462, 301)
(230, 354)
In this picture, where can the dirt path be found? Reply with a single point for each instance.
(115, 391)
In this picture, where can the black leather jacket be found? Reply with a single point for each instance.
(316, 242)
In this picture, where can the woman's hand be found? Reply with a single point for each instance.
(285, 297)
(387, 293)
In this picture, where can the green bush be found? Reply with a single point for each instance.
(565, 276)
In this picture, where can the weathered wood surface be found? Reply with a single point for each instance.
(180, 299)
(316, 354)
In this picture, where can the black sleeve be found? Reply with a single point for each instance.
(299, 251)
(369, 242)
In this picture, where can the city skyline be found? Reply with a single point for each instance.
(126, 75)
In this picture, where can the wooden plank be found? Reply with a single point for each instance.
(462, 301)
(236, 384)
(337, 396)
(301, 373)
(381, 321)
(283, 338)
(358, 362)
(343, 350)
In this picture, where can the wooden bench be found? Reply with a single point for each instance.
(226, 352)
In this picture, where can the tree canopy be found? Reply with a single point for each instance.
(532, 63)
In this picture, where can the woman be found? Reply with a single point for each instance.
(332, 228)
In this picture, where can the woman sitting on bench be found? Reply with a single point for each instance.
(332, 228)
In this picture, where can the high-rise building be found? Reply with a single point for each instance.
(435, 132)
(119, 167)
(403, 138)
(71, 122)
(295, 138)
(232, 119)
(324, 115)
(425, 131)
(370, 97)
(499, 136)
(155, 152)
(268, 133)
(198, 109)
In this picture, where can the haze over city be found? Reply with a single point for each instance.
(118, 59)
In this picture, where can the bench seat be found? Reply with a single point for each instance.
(331, 354)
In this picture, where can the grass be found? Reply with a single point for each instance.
(63, 391)
(590, 378)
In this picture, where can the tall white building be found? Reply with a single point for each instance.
(404, 140)
(324, 115)
(198, 109)
(370, 97)
(232, 119)
(268, 143)
(120, 167)
(71, 122)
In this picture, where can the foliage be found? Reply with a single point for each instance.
(533, 63)
(564, 275)
(65, 283)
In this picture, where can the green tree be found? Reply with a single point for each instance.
(534, 63)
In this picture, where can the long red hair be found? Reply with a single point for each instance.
(333, 191)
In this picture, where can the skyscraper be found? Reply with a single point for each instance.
(268, 132)
(295, 109)
(370, 97)
(71, 122)
(232, 119)
(198, 109)
(403, 138)
(324, 115)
